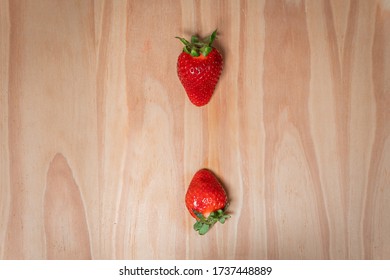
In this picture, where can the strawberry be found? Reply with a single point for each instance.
(199, 67)
(206, 200)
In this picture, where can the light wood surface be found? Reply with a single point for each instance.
(99, 141)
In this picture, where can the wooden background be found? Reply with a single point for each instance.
(99, 141)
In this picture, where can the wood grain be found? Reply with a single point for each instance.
(99, 141)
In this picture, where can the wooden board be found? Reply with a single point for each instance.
(99, 141)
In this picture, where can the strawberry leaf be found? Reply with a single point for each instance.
(199, 215)
(212, 37)
(194, 53)
(197, 47)
(194, 39)
(186, 49)
(203, 224)
(197, 226)
(204, 229)
(206, 50)
(184, 41)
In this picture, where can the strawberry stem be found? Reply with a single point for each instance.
(197, 47)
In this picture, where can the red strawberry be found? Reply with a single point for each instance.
(206, 200)
(199, 67)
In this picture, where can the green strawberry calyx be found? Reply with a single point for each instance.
(203, 225)
(197, 47)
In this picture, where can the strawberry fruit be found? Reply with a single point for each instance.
(206, 200)
(199, 67)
